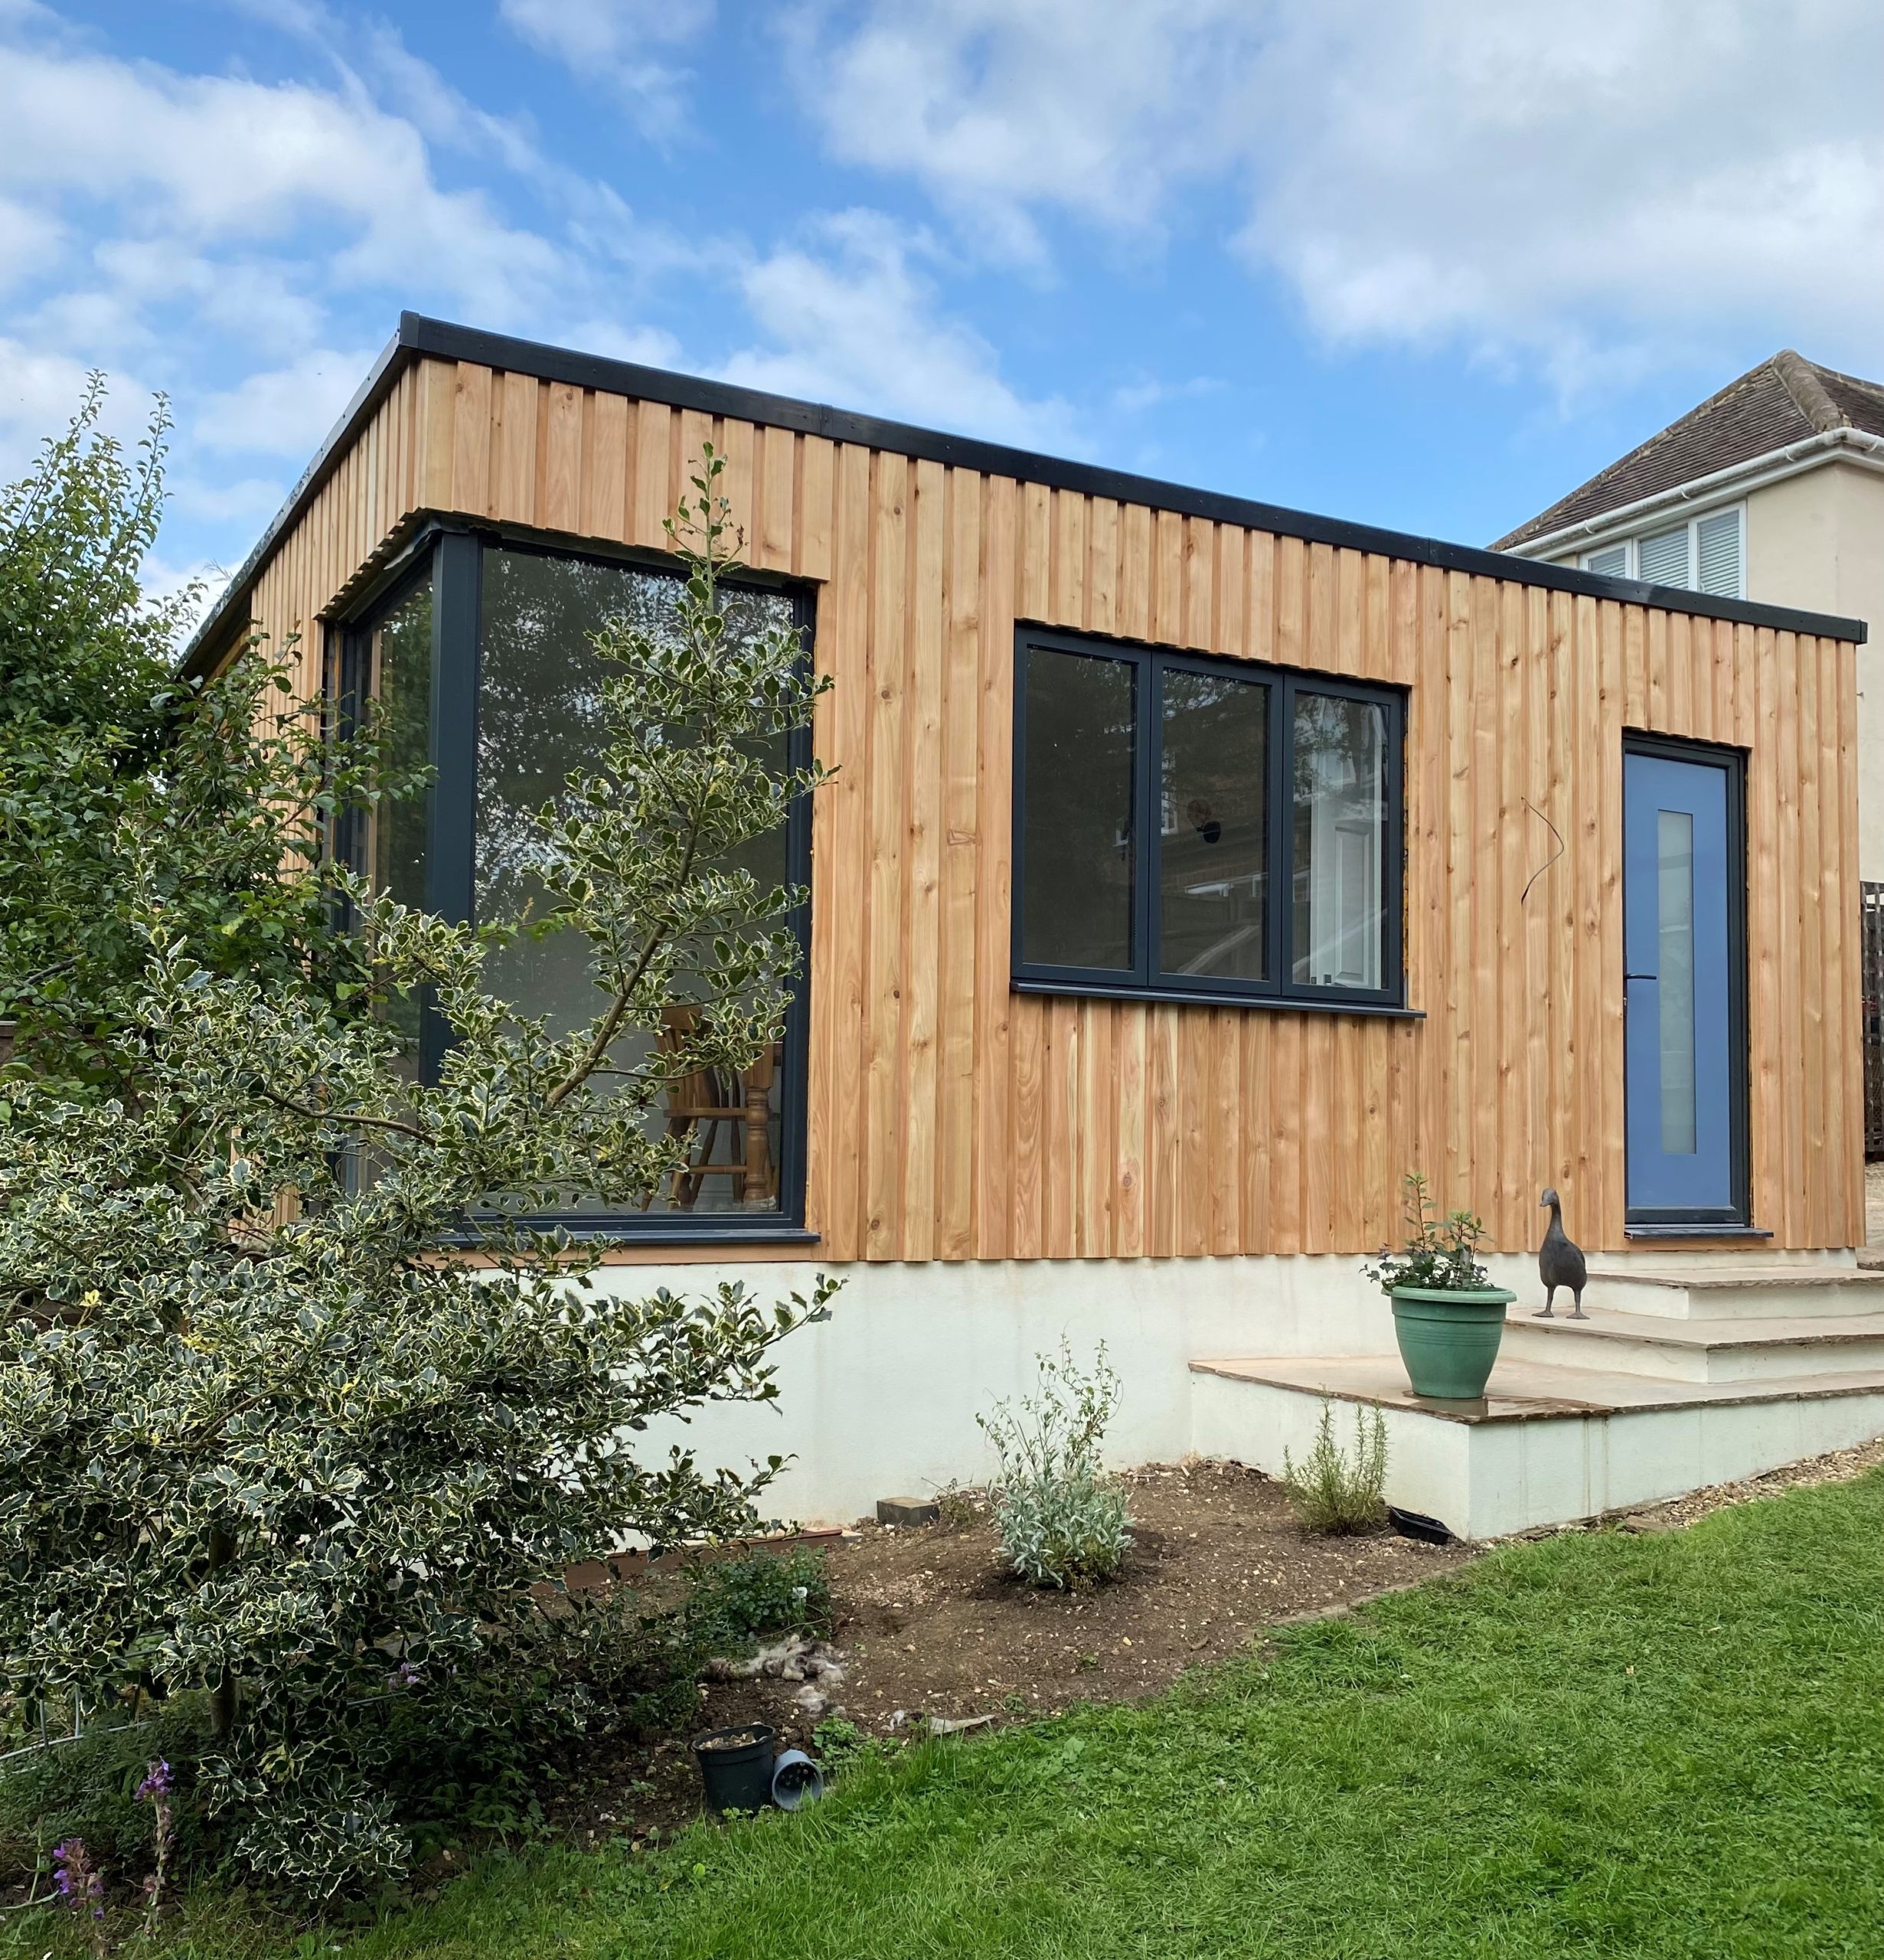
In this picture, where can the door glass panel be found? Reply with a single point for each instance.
(1077, 826)
(1674, 859)
(1213, 842)
(540, 718)
(1340, 814)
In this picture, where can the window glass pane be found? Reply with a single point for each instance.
(1674, 893)
(400, 681)
(1612, 561)
(539, 719)
(1662, 559)
(1076, 897)
(1213, 841)
(1340, 798)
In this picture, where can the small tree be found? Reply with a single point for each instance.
(308, 1460)
(123, 784)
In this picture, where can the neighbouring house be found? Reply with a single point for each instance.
(1194, 869)
(1773, 489)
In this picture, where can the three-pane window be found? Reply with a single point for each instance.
(1202, 829)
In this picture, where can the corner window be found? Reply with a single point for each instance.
(483, 661)
(1203, 829)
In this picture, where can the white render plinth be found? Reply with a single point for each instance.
(882, 1399)
(1549, 1445)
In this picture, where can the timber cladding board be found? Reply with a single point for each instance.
(951, 1119)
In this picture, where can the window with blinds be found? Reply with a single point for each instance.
(1704, 554)
(1662, 558)
(1717, 554)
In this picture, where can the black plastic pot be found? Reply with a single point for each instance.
(735, 1765)
(1417, 1524)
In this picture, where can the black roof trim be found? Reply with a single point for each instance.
(419, 336)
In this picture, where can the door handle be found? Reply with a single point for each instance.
(1629, 977)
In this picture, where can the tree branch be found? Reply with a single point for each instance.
(352, 1119)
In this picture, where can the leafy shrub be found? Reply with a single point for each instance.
(1441, 1253)
(609, 1661)
(259, 1443)
(1063, 1520)
(1332, 1491)
(840, 1746)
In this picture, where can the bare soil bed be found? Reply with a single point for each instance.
(930, 1626)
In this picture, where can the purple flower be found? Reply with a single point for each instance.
(157, 1782)
(406, 1674)
(78, 1881)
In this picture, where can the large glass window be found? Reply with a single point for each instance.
(515, 708)
(399, 652)
(1203, 829)
(1213, 820)
(539, 717)
(1080, 735)
(1340, 798)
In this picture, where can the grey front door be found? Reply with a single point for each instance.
(1684, 893)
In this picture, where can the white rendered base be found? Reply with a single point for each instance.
(881, 1400)
(1550, 1446)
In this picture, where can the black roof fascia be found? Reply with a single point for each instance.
(419, 336)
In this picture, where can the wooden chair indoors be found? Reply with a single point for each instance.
(702, 1101)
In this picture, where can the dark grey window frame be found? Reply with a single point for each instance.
(451, 556)
(1143, 981)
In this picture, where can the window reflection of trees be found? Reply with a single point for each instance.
(401, 684)
(1214, 846)
(540, 719)
(1076, 900)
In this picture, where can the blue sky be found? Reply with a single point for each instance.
(1420, 264)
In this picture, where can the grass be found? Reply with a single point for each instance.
(1596, 1744)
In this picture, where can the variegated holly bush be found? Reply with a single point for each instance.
(296, 1407)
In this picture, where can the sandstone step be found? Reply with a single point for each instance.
(1735, 1291)
(1550, 1444)
(1749, 1349)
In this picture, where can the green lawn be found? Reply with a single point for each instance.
(1670, 1745)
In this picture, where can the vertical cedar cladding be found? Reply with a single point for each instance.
(950, 1119)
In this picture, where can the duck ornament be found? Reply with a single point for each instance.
(1560, 1263)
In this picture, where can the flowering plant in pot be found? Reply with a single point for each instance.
(1447, 1317)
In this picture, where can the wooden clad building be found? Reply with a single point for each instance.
(963, 1094)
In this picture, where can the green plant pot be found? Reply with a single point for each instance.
(1449, 1341)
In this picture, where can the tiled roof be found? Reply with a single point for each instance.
(1781, 401)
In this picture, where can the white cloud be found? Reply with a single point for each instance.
(205, 161)
(28, 240)
(1000, 107)
(853, 318)
(282, 411)
(243, 243)
(628, 44)
(39, 389)
(1571, 183)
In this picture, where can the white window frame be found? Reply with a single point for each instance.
(1631, 546)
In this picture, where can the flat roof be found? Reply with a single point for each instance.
(419, 337)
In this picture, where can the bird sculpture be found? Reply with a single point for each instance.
(1560, 1263)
